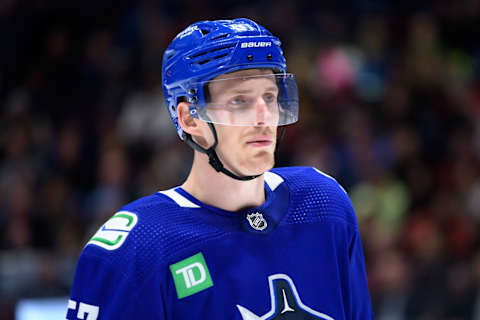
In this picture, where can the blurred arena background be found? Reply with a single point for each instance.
(390, 106)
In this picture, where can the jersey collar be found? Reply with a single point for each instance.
(272, 210)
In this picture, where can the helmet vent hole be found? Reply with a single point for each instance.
(203, 62)
(221, 56)
(199, 54)
(215, 58)
(204, 31)
(220, 37)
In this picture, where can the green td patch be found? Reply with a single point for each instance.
(191, 276)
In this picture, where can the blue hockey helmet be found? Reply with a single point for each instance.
(207, 49)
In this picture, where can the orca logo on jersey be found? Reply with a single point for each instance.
(257, 221)
(286, 303)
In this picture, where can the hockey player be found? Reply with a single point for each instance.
(238, 239)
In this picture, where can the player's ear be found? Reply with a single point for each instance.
(186, 121)
(196, 128)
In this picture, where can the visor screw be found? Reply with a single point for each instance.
(192, 91)
(269, 56)
(250, 57)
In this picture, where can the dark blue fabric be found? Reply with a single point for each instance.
(310, 252)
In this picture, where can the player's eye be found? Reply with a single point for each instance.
(240, 102)
(270, 98)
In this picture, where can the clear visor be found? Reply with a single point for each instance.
(259, 100)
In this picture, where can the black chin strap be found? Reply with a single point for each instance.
(279, 139)
(213, 157)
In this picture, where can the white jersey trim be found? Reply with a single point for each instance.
(272, 179)
(179, 199)
(330, 177)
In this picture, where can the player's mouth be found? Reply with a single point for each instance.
(260, 141)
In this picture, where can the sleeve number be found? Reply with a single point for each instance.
(88, 310)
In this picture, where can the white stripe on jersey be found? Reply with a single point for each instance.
(179, 199)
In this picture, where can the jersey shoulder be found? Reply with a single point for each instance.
(148, 232)
(315, 196)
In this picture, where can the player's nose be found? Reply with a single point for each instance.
(262, 111)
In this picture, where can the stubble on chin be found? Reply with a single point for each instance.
(258, 162)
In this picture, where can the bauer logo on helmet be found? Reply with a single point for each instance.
(254, 44)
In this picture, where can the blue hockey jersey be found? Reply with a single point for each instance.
(169, 256)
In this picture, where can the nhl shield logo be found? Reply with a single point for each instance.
(257, 221)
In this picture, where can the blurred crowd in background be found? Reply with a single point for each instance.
(389, 106)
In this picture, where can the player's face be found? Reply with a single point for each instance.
(247, 150)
